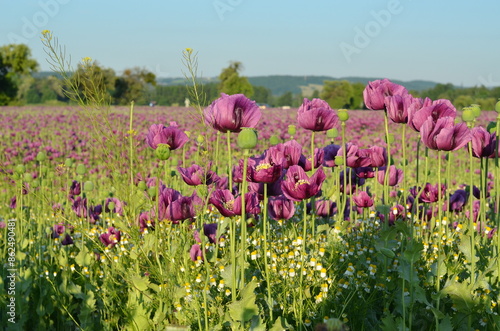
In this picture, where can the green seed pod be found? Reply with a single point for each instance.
(41, 156)
(468, 115)
(492, 127)
(35, 183)
(497, 107)
(111, 205)
(152, 191)
(88, 186)
(292, 130)
(332, 133)
(142, 186)
(247, 138)
(27, 177)
(20, 169)
(68, 162)
(162, 152)
(343, 115)
(274, 140)
(81, 169)
(200, 139)
(476, 109)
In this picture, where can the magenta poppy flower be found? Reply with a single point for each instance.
(171, 136)
(196, 253)
(375, 92)
(146, 220)
(378, 156)
(111, 237)
(75, 188)
(398, 105)
(352, 181)
(319, 156)
(196, 175)
(443, 135)
(280, 208)
(262, 170)
(483, 142)
(298, 186)
(165, 197)
(365, 172)
(114, 205)
(229, 205)
(430, 193)
(182, 208)
(287, 154)
(210, 231)
(316, 115)
(395, 175)
(437, 109)
(362, 200)
(323, 208)
(231, 113)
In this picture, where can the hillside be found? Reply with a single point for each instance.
(279, 84)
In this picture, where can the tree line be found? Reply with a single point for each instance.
(20, 84)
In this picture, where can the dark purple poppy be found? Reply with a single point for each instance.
(364, 172)
(182, 208)
(111, 237)
(61, 229)
(395, 175)
(430, 193)
(171, 136)
(286, 154)
(375, 92)
(298, 186)
(319, 156)
(331, 151)
(483, 142)
(229, 205)
(166, 196)
(362, 200)
(443, 135)
(231, 113)
(316, 115)
(458, 200)
(75, 188)
(146, 220)
(378, 156)
(210, 231)
(273, 189)
(323, 208)
(280, 208)
(261, 170)
(196, 175)
(352, 181)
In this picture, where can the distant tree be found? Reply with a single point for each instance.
(261, 94)
(315, 94)
(232, 83)
(16, 67)
(286, 99)
(44, 90)
(338, 94)
(132, 86)
(91, 83)
(356, 101)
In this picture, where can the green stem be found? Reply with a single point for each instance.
(131, 158)
(265, 225)
(472, 230)
(230, 161)
(243, 220)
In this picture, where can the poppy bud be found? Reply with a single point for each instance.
(274, 140)
(292, 129)
(497, 107)
(20, 169)
(41, 156)
(81, 169)
(247, 138)
(162, 152)
(27, 177)
(492, 127)
(476, 110)
(142, 186)
(468, 115)
(343, 115)
(88, 186)
(332, 133)
(68, 162)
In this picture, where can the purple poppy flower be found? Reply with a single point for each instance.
(429, 194)
(280, 208)
(458, 200)
(171, 136)
(298, 186)
(362, 200)
(352, 181)
(331, 151)
(196, 175)
(146, 220)
(375, 92)
(395, 175)
(111, 237)
(323, 208)
(364, 172)
(231, 113)
(196, 253)
(114, 205)
(287, 154)
(378, 156)
(210, 231)
(396, 213)
(444, 135)
(261, 170)
(319, 156)
(75, 188)
(182, 208)
(166, 196)
(273, 189)
(436, 110)
(229, 205)
(398, 105)
(316, 115)
(483, 142)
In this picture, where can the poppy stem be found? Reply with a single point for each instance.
(230, 161)
(265, 225)
(243, 220)
(472, 230)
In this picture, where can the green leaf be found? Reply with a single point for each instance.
(83, 258)
(445, 324)
(245, 309)
(280, 324)
(413, 251)
(141, 283)
(461, 296)
(466, 248)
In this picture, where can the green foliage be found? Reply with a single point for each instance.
(232, 83)
(132, 86)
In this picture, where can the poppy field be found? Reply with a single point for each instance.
(232, 217)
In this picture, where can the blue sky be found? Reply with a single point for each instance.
(443, 41)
